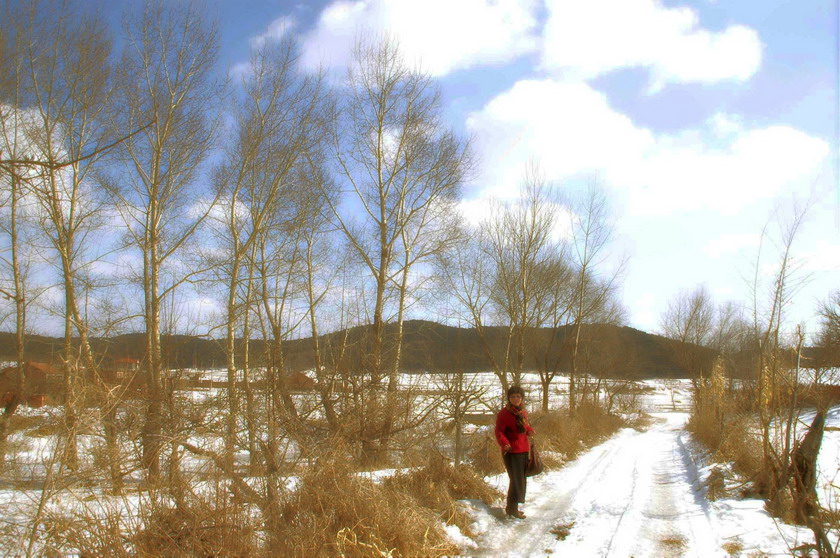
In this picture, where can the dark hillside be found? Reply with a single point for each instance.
(612, 351)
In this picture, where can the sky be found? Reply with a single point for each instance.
(708, 123)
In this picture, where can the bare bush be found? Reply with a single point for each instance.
(335, 511)
(214, 526)
(566, 434)
(440, 482)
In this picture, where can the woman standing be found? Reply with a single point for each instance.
(512, 432)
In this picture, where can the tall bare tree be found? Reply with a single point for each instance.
(17, 231)
(276, 120)
(65, 81)
(591, 232)
(399, 165)
(164, 78)
(773, 366)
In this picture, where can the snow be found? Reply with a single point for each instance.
(638, 494)
(641, 493)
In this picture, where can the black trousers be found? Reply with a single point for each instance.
(515, 463)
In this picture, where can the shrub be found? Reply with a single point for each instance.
(485, 455)
(337, 512)
(567, 434)
(439, 484)
(197, 528)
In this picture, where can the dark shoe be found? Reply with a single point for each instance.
(514, 512)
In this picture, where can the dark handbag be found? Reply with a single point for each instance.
(535, 463)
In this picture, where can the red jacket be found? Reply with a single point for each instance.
(506, 432)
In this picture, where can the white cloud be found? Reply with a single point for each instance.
(587, 39)
(275, 31)
(441, 35)
(572, 131)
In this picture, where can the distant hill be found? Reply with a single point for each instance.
(614, 351)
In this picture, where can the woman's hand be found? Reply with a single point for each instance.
(505, 448)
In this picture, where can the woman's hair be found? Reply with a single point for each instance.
(515, 389)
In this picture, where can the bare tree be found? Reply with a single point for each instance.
(829, 334)
(505, 275)
(65, 79)
(690, 320)
(527, 263)
(592, 231)
(17, 229)
(399, 164)
(276, 121)
(163, 78)
(773, 366)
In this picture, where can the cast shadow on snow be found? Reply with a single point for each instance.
(698, 491)
(497, 512)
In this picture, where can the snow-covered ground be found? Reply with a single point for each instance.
(640, 493)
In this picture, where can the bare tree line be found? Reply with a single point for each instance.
(134, 181)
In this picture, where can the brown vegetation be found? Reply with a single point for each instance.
(562, 435)
(335, 511)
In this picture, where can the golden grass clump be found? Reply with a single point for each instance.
(485, 455)
(199, 528)
(568, 434)
(335, 512)
(439, 484)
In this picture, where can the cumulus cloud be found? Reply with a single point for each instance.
(442, 35)
(588, 39)
(572, 131)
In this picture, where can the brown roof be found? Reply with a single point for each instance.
(35, 366)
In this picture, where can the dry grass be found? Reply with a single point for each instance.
(569, 434)
(211, 525)
(439, 484)
(336, 512)
(715, 484)
(485, 455)
(562, 531)
(734, 442)
(200, 528)
(79, 533)
(733, 548)
(674, 543)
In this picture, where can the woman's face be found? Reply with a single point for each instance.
(515, 399)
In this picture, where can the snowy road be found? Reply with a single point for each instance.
(634, 495)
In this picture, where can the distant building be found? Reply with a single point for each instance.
(41, 381)
(298, 381)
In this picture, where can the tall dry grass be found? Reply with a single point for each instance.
(721, 421)
(562, 436)
(440, 484)
(336, 512)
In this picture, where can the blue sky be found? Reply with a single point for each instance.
(703, 120)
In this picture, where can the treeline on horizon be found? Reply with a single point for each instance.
(429, 347)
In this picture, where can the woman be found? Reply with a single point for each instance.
(512, 432)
